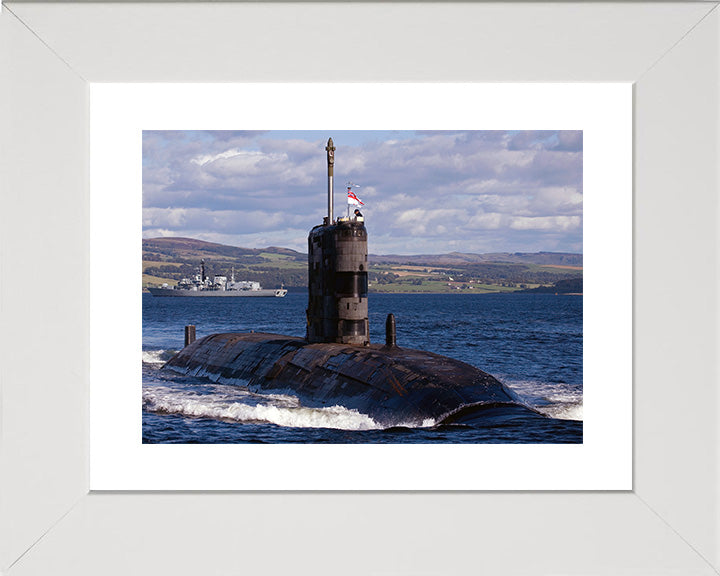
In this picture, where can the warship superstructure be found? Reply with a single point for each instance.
(218, 286)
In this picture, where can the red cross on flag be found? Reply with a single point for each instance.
(354, 200)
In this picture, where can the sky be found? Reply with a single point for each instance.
(424, 192)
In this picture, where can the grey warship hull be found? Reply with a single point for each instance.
(175, 293)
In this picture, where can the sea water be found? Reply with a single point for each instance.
(531, 342)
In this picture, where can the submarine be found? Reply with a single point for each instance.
(336, 364)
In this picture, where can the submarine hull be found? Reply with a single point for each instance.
(394, 386)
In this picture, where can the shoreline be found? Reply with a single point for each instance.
(455, 292)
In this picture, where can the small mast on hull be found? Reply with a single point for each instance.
(337, 277)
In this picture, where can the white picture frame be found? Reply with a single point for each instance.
(119, 460)
(668, 523)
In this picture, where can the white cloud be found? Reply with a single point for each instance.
(203, 159)
(556, 223)
(482, 191)
(486, 221)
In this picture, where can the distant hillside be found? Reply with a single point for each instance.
(167, 260)
(173, 249)
(460, 258)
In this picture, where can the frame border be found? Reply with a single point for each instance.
(670, 520)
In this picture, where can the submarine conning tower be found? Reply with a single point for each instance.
(337, 276)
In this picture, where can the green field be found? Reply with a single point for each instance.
(279, 261)
(156, 281)
(439, 287)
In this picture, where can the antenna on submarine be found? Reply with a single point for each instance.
(331, 163)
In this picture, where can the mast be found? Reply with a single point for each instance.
(330, 148)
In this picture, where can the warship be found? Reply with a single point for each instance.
(336, 364)
(218, 286)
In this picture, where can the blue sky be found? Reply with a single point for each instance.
(425, 192)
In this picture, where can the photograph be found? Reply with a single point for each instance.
(365, 286)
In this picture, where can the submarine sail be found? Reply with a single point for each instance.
(337, 276)
(335, 364)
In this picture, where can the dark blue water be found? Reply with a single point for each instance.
(531, 342)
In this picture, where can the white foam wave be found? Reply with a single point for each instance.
(552, 399)
(157, 356)
(276, 409)
(564, 412)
